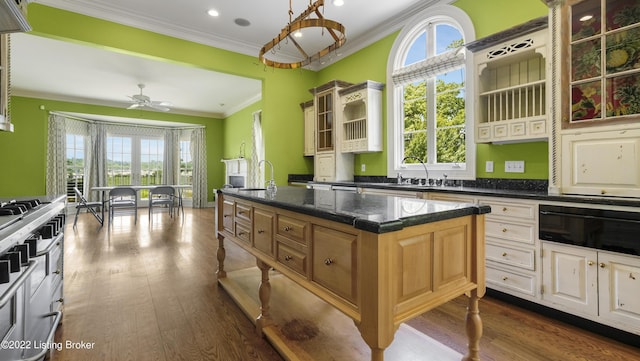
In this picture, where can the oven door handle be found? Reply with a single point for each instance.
(49, 339)
(6, 296)
(54, 243)
(550, 213)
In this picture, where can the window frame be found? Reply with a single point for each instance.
(453, 16)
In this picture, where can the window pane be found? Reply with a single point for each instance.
(118, 161)
(447, 38)
(75, 164)
(186, 167)
(415, 120)
(418, 50)
(151, 161)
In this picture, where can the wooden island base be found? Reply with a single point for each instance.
(307, 328)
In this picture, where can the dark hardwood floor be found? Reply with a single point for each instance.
(149, 292)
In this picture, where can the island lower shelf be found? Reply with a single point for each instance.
(379, 280)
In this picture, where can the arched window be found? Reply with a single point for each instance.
(430, 112)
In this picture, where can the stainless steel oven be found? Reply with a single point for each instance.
(609, 230)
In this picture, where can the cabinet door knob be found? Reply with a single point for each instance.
(504, 230)
(57, 272)
(504, 209)
(287, 228)
(288, 258)
(505, 278)
(504, 254)
(260, 231)
(590, 263)
(328, 261)
(227, 215)
(602, 265)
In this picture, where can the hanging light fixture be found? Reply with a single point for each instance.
(303, 21)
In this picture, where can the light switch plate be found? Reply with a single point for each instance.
(488, 166)
(514, 166)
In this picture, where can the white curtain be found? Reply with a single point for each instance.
(96, 165)
(257, 153)
(56, 182)
(199, 157)
(171, 164)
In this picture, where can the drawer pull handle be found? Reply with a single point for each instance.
(504, 254)
(602, 265)
(260, 231)
(287, 228)
(504, 230)
(505, 278)
(57, 272)
(328, 261)
(590, 263)
(227, 215)
(241, 212)
(241, 233)
(632, 276)
(60, 300)
(288, 258)
(504, 209)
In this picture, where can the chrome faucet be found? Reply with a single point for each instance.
(271, 184)
(426, 180)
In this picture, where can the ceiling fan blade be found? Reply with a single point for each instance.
(135, 106)
(162, 103)
(158, 107)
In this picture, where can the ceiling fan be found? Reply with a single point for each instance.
(142, 101)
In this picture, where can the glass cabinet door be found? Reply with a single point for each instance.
(324, 109)
(604, 60)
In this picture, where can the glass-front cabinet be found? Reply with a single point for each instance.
(324, 106)
(603, 62)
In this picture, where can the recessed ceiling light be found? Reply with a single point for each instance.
(297, 34)
(586, 17)
(213, 12)
(242, 22)
(338, 2)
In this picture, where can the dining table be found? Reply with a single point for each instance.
(179, 188)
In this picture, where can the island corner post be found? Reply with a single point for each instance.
(396, 275)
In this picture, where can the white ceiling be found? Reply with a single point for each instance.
(59, 70)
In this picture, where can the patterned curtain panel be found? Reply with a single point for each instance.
(256, 176)
(171, 164)
(96, 167)
(56, 182)
(199, 157)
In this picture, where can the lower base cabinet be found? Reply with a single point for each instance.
(598, 285)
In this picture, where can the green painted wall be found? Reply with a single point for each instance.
(27, 146)
(283, 91)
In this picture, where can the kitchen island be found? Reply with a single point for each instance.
(380, 260)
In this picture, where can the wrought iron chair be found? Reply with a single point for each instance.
(162, 196)
(89, 206)
(123, 198)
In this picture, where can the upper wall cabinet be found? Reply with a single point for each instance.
(362, 117)
(511, 91)
(601, 71)
(309, 128)
(5, 118)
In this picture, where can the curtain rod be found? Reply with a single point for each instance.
(125, 124)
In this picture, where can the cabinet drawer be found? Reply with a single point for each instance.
(517, 129)
(524, 258)
(263, 230)
(334, 261)
(243, 211)
(227, 216)
(243, 232)
(523, 233)
(484, 132)
(292, 228)
(296, 260)
(510, 282)
(500, 131)
(521, 211)
(538, 127)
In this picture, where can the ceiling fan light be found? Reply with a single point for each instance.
(213, 12)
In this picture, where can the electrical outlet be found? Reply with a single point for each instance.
(363, 167)
(514, 166)
(488, 166)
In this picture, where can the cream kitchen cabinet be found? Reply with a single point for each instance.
(598, 285)
(330, 164)
(511, 86)
(309, 128)
(362, 117)
(601, 162)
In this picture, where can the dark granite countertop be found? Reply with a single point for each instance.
(369, 212)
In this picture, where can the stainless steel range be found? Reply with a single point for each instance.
(31, 274)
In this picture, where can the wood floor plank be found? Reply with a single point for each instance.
(148, 291)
